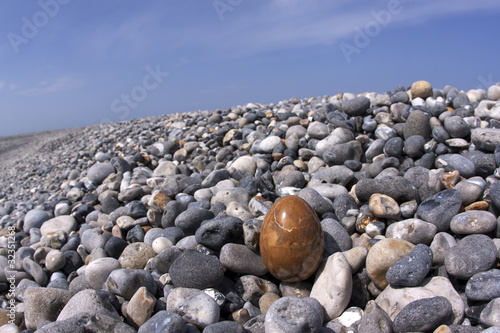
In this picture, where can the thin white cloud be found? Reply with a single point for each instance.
(292, 24)
(2, 85)
(52, 86)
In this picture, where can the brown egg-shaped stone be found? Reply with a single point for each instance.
(291, 240)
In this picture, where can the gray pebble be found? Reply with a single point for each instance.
(124, 282)
(35, 218)
(440, 208)
(336, 238)
(240, 259)
(424, 315)
(88, 301)
(473, 222)
(217, 232)
(484, 286)
(471, 255)
(99, 171)
(294, 315)
(43, 304)
(164, 321)
(411, 269)
(193, 269)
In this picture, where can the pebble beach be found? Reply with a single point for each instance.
(154, 224)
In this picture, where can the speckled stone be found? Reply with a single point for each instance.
(471, 255)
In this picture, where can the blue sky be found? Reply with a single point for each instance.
(71, 63)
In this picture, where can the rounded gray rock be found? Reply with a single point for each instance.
(164, 321)
(193, 269)
(240, 259)
(99, 171)
(471, 255)
(483, 286)
(125, 282)
(294, 315)
(35, 218)
(473, 222)
(424, 315)
(98, 271)
(440, 208)
(412, 269)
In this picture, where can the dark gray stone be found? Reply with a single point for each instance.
(320, 204)
(394, 147)
(99, 171)
(414, 146)
(35, 218)
(217, 232)
(190, 220)
(424, 315)
(224, 326)
(411, 269)
(125, 282)
(294, 315)
(356, 106)
(164, 321)
(495, 194)
(440, 208)
(472, 254)
(86, 322)
(456, 127)
(451, 162)
(193, 269)
(337, 239)
(398, 188)
(342, 204)
(417, 124)
(484, 286)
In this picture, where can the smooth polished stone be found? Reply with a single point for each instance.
(291, 240)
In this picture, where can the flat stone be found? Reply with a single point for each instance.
(398, 188)
(140, 307)
(86, 322)
(485, 139)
